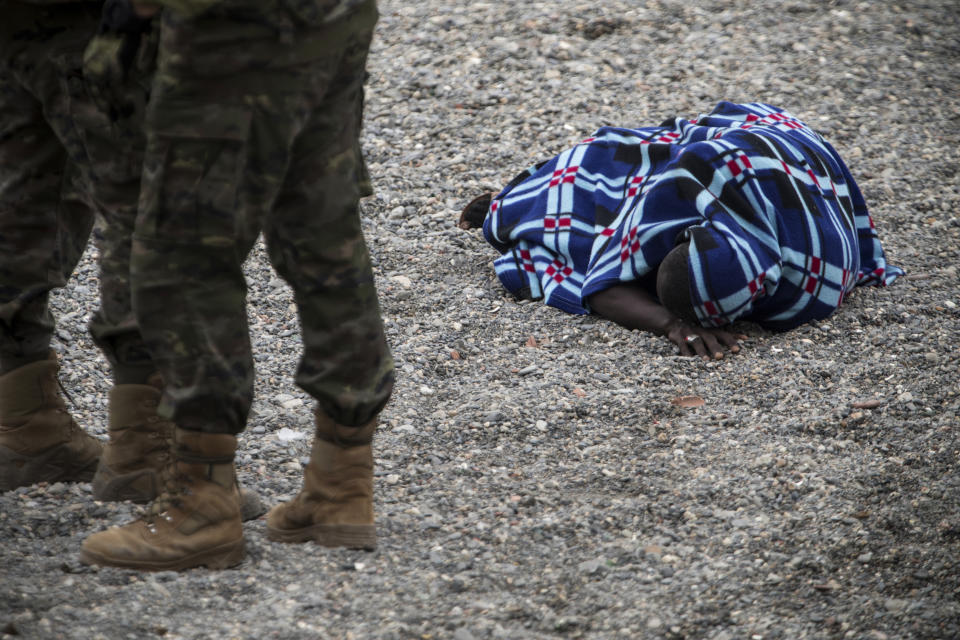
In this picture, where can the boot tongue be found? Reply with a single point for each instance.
(181, 477)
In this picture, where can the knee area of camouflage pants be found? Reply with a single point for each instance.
(274, 148)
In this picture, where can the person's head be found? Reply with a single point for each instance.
(673, 283)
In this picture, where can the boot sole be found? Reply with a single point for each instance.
(221, 557)
(352, 536)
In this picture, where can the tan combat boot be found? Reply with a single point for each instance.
(195, 521)
(335, 506)
(139, 447)
(139, 450)
(39, 441)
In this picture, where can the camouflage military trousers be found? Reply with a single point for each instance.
(253, 125)
(61, 160)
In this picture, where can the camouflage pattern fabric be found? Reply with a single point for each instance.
(306, 13)
(61, 159)
(253, 125)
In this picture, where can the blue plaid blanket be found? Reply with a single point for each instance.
(779, 232)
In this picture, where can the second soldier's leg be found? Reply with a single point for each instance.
(192, 234)
(139, 440)
(41, 239)
(315, 241)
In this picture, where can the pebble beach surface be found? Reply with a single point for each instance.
(538, 475)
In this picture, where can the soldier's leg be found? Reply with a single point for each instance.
(41, 239)
(208, 176)
(115, 152)
(315, 241)
(32, 163)
(188, 285)
(192, 234)
(139, 440)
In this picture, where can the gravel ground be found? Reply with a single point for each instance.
(534, 479)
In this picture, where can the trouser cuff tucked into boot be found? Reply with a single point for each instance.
(342, 435)
(39, 441)
(195, 520)
(139, 449)
(335, 506)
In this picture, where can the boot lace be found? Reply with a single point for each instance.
(173, 486)
(74, 427)
(66, 393)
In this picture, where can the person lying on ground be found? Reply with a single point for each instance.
(745, 213)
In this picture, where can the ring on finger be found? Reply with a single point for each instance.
(691, 338)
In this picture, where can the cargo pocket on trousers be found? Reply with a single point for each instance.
(192, 189)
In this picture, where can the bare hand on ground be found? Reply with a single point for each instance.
(702, 342)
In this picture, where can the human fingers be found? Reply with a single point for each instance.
(685, 349)
(697, 344)
(684, 339)
(730, 340)
(712, 346)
